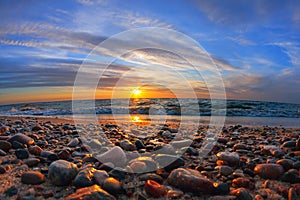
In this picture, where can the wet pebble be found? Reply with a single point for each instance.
(31, 162)
(292, 195)
(151, 176)
(231, 158)
(113, 186)
(242, 194)
(115, 155)
(32, 177)
(243, 182)
(100, 176)
(169, 162)
(154, 189)
(2, 153)
(190, 180)
(225, 170)
(84, 178)
(24, 139)
(35, 150)
(2, 170)
(269, 171)
(22, 153)
(4, 145)
(62, 172)
(92, 192)
(73, 143)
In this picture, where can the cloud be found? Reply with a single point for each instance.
(292, 50)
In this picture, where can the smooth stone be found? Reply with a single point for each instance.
(35, 150)
(288, 144)
(154, 189)
(22, 153)
(273, 150)
(2, 153)
(127, 145)
(17, 145)
(64, 154)
(290, 177)
(90, 193)
(100, 176)
(221, 188)
(232, 159)
(227, 197)
(62, 172)
(37, 127)
(24, 139)
(73, 143)
(84, 178)
(165, 149)
(242, 194)
(31, 162)
(189, 180)
(151, 176)
(169, 162)
(269, 171)
(11, 191)
(225, 170)
(2, 170)
(32, 177)
(243, 182)
(174, 194)
(138, 167)
(150, 163)
(139, 144)
(4, 145)
(118, 173)
(285, 163)
(292, 195)
(113, 186)
(115, 155)
(181, 143)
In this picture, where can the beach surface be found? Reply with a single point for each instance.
(54, 158)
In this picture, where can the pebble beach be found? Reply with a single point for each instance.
(47, 158)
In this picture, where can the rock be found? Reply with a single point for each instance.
(272, 150)
(290, 177)
(127, 146)
(232, 159)
(269, 171)
(189, 180)
(84, 178)
(169, 162)
(73, 143)
(155, 189)
(174, 194)
(32, 177)
(225, 170)
(139, 144)
(2, 153)
(4, 145)
(35, 150)
(181, 143)
(243, 182)
(138, 167)
(151, 176)
(242, 194)
(292, 195)
(100, 176)
(115, 155)
(239, 146)
(285, 163)
(24, 139)
(90, 193)
(288, 144)
(297, 148)
(31, 162)
(62, 172)
(221, 188)
(150, 163)
(22, 153)
(64, 154)
(37, 127)
(17, 145)
(11, 191)
(2, 170)
(118, 173)
(227, 197)
(113, 186)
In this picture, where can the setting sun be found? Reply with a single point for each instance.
(136, 92)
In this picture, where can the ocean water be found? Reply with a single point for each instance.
(236, 111)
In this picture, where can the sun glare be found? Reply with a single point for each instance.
(136, 92)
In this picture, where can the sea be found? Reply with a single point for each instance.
(244, 112)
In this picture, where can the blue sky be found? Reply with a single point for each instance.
(255, 44)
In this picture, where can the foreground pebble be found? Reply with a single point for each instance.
(269, 171)
(62, 172)
(32, 177)
(90, 193)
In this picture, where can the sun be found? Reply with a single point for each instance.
(136, 92)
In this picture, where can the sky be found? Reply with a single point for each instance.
(255, 46)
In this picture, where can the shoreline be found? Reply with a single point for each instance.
(245, 162)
